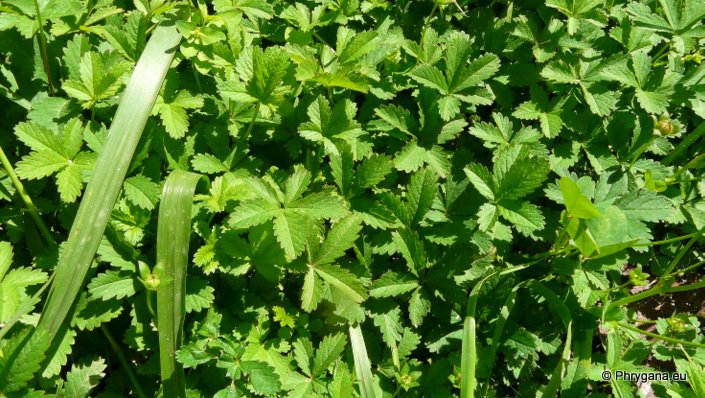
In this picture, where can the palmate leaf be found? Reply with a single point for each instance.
(459, 75)
(58, 154)
(261, 74)
(296, 217)
(100, 75)
(327, 125)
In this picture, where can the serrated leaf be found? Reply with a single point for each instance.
(141, 191)
(112, 284)
(263, 379)
(22, 358)
(389, 324)
(392, 284)
(83, 378)
(421, 192)
(410, 158)
(330, 350)
(419, 306)
(199, 295)
(312, 292)
(340, 238)
(343, 282)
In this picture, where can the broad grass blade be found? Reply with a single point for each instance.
(173, 234)
(363, 369)
(105, 183)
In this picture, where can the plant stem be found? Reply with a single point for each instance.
(641, 150)
(150, 308)
(687, 143)
(660, 289)
(43, 45)
(659, 337)
(681, 254)
(26, 198)
(671, 240)
(242, 142)
(196, 77)
(123, 362)
(690, 268)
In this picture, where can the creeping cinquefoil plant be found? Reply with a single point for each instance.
(352, 198)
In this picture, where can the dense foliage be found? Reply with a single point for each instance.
(371, 163)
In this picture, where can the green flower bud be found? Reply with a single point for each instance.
(677, 324)
(152, 282)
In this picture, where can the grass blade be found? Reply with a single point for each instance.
(468, 354)
(173, 234)
(363, 369)
(104, 186)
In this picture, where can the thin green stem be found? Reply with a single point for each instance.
(659, 337)
(671, 240)
(640, 296)
(661, 288)
(239, 153)
(33, 211)
(663, 51)
(43, 45)
(689, 268)
(686, 288)
(641, 151)
(681, 254)
(196, 77)
(687, 143)
(150, 308)
(123, 362)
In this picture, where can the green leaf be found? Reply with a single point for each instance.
(518, 174)
(81, 379)
(410, 158)
(100, 75)
(342, 236)
(420, 195)
(577, 204)
(173, 113)
(312, 292)
(292, 230)
(329, 351)
(22, 358)
(141, 191)
(112, 284)
(419, 306)
(392, 284)
(389, 324)
(263, 379)
(344, 282)
(481, 179)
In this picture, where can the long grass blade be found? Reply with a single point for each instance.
(110, 170)
(173, 234)
(363, 369)
(468, 354)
